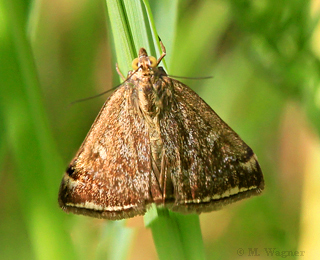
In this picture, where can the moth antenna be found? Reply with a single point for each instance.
(95, 96)
(181, 77)
(109, 90)
(164, 53)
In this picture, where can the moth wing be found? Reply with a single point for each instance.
(208, 163)
(111, 175)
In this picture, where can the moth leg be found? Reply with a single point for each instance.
(164, 53)
(119, 72)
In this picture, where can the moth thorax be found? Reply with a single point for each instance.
(147, 99)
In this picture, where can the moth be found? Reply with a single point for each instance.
(156, 141)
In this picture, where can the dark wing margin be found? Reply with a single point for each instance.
(111, 175)
(210, 166)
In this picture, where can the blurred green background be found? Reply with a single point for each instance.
(264, 59)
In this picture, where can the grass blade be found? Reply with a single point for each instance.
(174, 234)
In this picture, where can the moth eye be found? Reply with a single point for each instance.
(135, 63)
(153, 61)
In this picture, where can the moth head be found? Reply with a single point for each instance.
(144, 61)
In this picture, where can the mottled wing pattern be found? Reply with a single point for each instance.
(209, 164)
(111, 176)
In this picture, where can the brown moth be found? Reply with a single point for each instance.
(156, 141)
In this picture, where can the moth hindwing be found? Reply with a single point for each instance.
(156, 141)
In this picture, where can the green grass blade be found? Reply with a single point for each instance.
(170, 240)
(165, 27)
(122, 38)
(130, 31)
(115, 241)
(166, 234)
(38, 165)
(190, 232)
